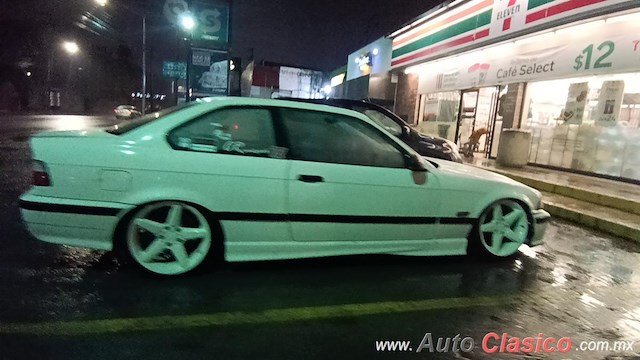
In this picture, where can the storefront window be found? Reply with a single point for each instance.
(589, 124)
(438, 114)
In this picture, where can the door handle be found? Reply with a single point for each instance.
(310, 178)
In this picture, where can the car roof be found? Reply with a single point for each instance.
(205, 105)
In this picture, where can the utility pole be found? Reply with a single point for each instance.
(144, 63)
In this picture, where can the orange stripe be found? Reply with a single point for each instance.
(443, 22)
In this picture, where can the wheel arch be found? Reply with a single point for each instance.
(117, 236)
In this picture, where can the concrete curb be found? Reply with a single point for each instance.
(574, 192)
(604, 225)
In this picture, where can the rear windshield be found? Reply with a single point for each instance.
(129, 125)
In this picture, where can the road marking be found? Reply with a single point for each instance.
(166, 322)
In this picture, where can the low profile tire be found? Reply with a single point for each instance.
(501, 229)
(168, 238)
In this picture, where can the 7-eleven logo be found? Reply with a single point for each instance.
(506, 14)
(506, 25)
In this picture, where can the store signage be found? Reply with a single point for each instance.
(507, 15)
(212, 30)
(374, 58)
(174, 70)
(576, 103)
(609, 103)
(568, 53)
(364, 60)
(478, 22)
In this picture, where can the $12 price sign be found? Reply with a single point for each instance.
(586, 59)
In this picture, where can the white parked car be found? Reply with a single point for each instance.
(126, 112)
(252, 179)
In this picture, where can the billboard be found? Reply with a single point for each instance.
(212, 30)
(209, 72)
(211, 18)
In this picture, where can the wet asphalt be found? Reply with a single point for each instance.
(66, 303)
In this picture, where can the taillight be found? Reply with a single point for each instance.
(39, 174)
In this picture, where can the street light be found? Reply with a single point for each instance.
(187, 22)
(101, 2)
(70, 47)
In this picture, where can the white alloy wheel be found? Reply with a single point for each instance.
(503, 227)
(169, 238)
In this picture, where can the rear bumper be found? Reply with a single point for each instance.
(540, 221)
(87, 224)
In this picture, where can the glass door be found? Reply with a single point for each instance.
(466, 116)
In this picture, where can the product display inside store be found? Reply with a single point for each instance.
(587, 124)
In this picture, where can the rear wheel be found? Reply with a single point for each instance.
(169, 238)
(502, 228)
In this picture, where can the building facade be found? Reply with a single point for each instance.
(567, 70)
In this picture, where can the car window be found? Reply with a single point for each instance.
(381, 119)
(241, 131)
(334, 138)
(127, 126)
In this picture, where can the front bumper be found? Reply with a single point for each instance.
(540, 221)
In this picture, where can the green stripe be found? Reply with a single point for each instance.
(462, 27)
(537, 3)
(168, 322)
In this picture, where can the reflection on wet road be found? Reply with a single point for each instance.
(66, 303)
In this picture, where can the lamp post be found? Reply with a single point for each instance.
(103, 3)
(71, 48)
(188, 23)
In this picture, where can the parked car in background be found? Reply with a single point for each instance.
(425, 145)
(249, 179)
(126, 112)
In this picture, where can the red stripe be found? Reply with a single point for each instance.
(506, 25)
(450, 44)
(559, 9)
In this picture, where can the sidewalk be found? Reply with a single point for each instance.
(606, 205)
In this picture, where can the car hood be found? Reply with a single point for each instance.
(453, 169)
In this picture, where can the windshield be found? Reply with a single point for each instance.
(129, 125)
(382, 120)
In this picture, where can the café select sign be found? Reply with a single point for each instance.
(605, 49)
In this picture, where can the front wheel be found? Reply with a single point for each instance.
(168, 238)
(501, 229)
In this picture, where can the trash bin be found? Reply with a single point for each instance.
(443, 129)
(514, 146)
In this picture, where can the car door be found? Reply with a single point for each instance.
(233, 160)
(348, 182)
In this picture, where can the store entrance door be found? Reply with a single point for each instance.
(476, 120)
(466, 116)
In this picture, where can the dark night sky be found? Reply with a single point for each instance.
(312, 33)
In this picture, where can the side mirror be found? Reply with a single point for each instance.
(415, 163)
(406, 130)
